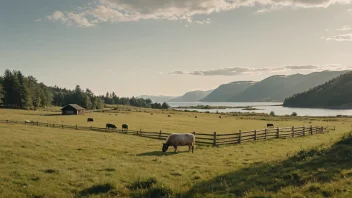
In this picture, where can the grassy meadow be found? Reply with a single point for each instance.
(48, 162)
(181, 122)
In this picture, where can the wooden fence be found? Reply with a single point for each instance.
(213, 139)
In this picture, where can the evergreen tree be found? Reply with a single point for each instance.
(11, 87)
(23, 93)
(165, 106)
(1, 93)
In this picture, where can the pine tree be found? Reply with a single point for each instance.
(1, 93)
(25, 101)
(11, 88)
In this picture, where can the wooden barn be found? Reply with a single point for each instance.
(72, 109)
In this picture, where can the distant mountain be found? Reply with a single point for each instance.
(193, 96)
(335, 93)
(158, 99)
(224, 92)
(279, 87)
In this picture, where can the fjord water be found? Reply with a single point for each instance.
(264, 107)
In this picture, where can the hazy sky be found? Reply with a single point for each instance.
(168, 47)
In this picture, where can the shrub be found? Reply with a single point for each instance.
(142, 184)
(272, 113)
(294, 114)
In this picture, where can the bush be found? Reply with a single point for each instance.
(142, 184)
(272, 113)
(294, 114)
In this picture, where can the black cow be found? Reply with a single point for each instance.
(90, 120)
(111, 126)
(124, 126)
(270, 125)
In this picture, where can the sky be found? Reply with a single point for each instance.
(169, 47)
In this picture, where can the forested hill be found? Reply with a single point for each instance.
(277, 88)
(335, 93)
(193, 96)
(19, 91)
(224, 92)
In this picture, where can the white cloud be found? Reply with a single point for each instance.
(235, 71)
(341, 37)
(202, 22)
(113, 11)
(70, 19)
(344, 28)
(37, 20)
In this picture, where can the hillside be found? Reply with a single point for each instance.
(279, 87)
(335, 93)
(224, 92)
(159, 99)
(193, 96)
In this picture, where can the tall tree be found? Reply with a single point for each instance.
(25, 100)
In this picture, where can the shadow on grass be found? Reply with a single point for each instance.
(319, 165)
(98, 189)
(160, 153)
(54, 114)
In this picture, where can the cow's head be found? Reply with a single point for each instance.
(165, 147)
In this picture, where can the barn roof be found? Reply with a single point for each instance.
(75, 106)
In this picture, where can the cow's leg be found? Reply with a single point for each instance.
(192, 148)
(189, 148)
(175, 147)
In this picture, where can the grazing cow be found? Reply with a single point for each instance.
(90, 120)
(220, 116)
(124, 126)
(169, 116)
(111, 126)
(27, 121)
(176, 140)
(196, 116)
(270, 125)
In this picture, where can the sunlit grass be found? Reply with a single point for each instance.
(47, 162)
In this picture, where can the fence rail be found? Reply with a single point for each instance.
(213, 139)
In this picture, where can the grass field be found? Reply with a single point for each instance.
(47, 162)
(178, 122)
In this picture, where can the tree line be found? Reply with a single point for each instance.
(21, 92)
(112, 98)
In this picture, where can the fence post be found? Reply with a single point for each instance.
(277, 133)
(214, 139)
(140, 132)
(47, 124)
(316, 129)
(240, 137)
(37, 123)
(322, 129)
(76, 127)
(265, 133)
(255, 135)
(62, 125)
(7, 121)
(160, 134)
(293, 131)
(311, 130)
(304, 131)
(334, 128)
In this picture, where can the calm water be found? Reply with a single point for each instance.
(265, 107)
